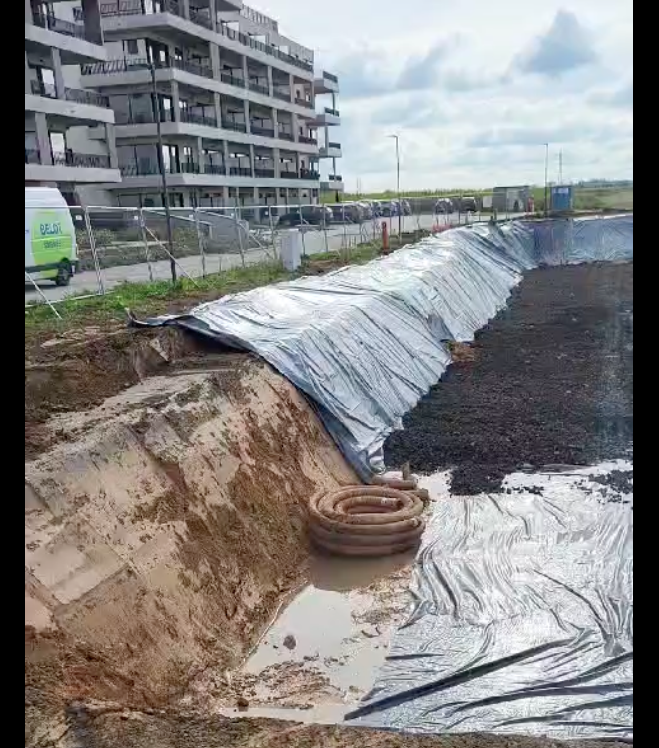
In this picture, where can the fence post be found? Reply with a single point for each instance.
(200, 240)
(240, 238)
(145, 239)
(272, 234)
(92, 246)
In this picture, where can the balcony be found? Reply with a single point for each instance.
(215, 169)
(327, 84)
(331, 150)
(81, 160)
(258, 88)
(264, 173)
(32, 156)
(77, 95)
(303, 102)
(205, 71)
(327, 117)
(282, 95)
(239, 171)
(234, 126)
(59, 26)
(288, 175)
(232, 80)
(307, 140)
(264, 132)
(193, 118)
(283, 135)
(200, 18)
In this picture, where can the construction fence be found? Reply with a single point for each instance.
(132, 245)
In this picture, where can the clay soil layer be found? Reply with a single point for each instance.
(549, 381)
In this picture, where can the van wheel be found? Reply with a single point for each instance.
(63, 274)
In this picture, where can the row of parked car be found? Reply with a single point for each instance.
(318, 215)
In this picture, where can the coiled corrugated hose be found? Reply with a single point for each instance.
(367, 520)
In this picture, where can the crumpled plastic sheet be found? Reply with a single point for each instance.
(365, 343)
(522, 621)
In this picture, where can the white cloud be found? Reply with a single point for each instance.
(475, 91)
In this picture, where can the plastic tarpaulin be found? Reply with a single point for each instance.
(365, 343)
(522, 621)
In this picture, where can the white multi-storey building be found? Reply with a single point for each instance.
(69, 130)
(235, 98)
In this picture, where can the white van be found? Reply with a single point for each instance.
(51, 252)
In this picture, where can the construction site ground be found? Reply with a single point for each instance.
(186, 578)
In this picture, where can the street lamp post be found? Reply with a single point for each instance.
(546, 179)
(163, 172)
(400, 203)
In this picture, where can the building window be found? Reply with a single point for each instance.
(132, 47)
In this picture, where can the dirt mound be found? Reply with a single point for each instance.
(165, 529)
(549, 381)
(112, 729)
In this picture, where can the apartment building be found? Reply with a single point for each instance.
(235, 101)
(69, 130)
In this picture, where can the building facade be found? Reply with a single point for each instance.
(69, 129)
(235, 101)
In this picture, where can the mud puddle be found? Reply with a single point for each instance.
(322, 654)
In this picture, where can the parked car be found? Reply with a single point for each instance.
(367, 210)
(390, 208)
(313, 215)
(468, 205)
(377, 209)
(444, 205)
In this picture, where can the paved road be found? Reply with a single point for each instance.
(314, 242)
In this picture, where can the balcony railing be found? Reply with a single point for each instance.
(235, 126)
(217, 169)
(307, 174)
(200, 18)
(232, 80)
(282, 95)
(195, 118)
(330, 77)
(333, 112)
(195, 68)
(49, 21)
(112, 67)
(122, 8)
(258, 88)
(81, 160)
(32, 156)
(239, 171)
(286, 135)
(307, 140)
(335, 178)
(82, 96)
(334, 145)
(265, 132)
(264, 173)
(79, 95)
(288, 175)
(39, 88)
(304, 103)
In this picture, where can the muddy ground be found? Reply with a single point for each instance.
(112, 729)
(549, 381)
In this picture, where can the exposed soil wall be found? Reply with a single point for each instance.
(163, 529)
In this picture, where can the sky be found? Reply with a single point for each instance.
(474, 90)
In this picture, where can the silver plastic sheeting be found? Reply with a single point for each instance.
(523, 618)
(365, 343)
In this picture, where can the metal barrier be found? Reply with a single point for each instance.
(130, 245)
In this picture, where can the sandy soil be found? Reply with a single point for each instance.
(110, 730)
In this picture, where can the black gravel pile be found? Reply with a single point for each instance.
(552, 382)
